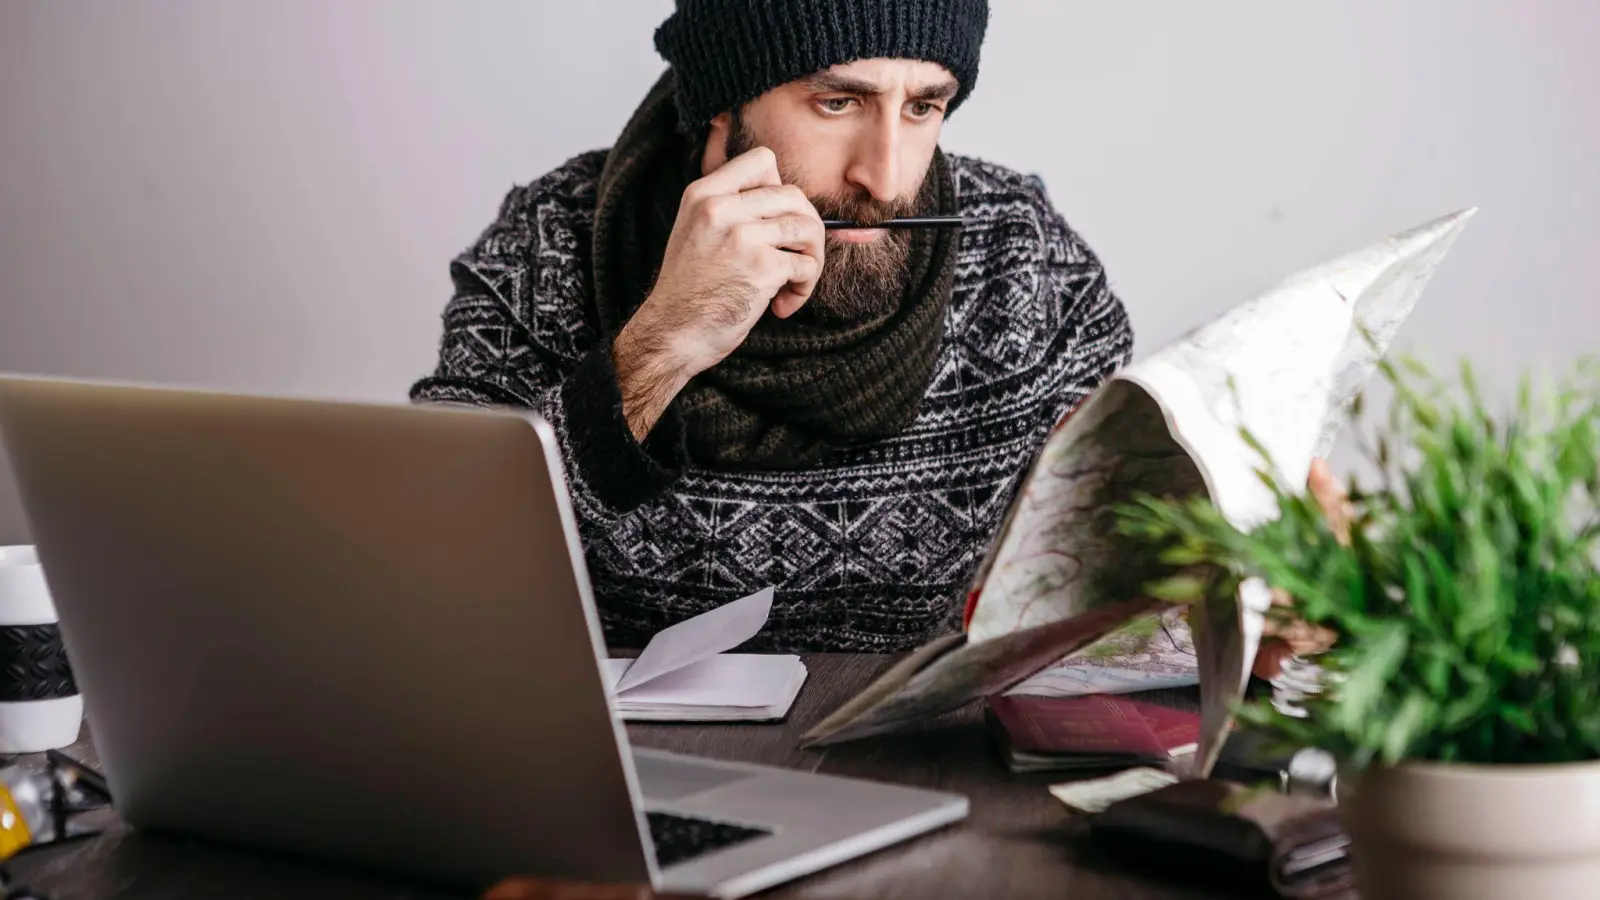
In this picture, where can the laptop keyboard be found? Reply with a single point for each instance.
(679, 838)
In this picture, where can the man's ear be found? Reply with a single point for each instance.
(716, 149)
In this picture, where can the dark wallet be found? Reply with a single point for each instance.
(1227, 835)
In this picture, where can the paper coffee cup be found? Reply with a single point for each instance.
(40, 707)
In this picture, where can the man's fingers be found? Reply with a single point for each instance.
(802, 271)
(1270, 659)
(798, 272)
(1301, 636)
(780, 200)
(754, 168)
(791, 248)
(787, 303)
(803, 234)
(802, 281)
(1330, 496)
(1320, 479)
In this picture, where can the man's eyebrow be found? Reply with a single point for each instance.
(941, 91)
(831, 82)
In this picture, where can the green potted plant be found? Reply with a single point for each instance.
(1462, 693)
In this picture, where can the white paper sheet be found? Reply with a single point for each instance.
(737, 680)
(699, 638)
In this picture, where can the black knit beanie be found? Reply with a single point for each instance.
(725, 53)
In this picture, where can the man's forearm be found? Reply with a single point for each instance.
(648, 377)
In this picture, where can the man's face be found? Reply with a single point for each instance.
(858, 139)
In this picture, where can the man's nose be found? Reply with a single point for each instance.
(876, 167)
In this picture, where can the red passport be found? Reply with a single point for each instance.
(1095, 725)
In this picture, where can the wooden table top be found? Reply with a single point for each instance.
(1018, 841)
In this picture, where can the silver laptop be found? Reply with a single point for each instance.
(365, 633)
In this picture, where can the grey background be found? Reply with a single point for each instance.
(264, 196)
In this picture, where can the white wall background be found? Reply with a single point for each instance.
(264, 196)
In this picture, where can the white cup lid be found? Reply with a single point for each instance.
(19, 555)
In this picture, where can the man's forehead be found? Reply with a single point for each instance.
(882, 75)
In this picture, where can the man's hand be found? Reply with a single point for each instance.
(1283, 639)
(743, 242)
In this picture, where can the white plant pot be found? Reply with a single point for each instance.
(1424, 831)
(40, 707)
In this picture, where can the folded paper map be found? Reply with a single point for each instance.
(1059, 578)
(1154, 652)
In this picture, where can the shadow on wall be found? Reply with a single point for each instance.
(13, 530)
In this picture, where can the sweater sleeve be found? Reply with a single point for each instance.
(1081, 291)
(515, 334)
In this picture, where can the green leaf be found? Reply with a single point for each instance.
(1518, 718)
(1416, 593)
(1436, 673)
(1414, 716)
(1177, 589)
(1255, 444)
(1471, 705)
(1184, 555)
(1520, 661)
(1361, 691)
(1447, 591)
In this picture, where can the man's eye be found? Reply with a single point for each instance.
(922, 109)
(837, 104)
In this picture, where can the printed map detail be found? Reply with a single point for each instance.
(1148, 654)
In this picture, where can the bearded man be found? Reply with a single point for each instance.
(745, 398)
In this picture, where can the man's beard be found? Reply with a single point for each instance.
(858, 281)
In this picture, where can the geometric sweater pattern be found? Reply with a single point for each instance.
(873, 548)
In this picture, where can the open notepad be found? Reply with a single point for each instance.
(685, 674)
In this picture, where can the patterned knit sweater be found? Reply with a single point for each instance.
(871, 550)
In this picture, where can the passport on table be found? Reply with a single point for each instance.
(1096, 731)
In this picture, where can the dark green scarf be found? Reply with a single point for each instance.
(796, 388)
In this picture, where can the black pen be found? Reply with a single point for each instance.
(906, 222)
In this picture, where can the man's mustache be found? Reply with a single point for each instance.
(863, 209)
